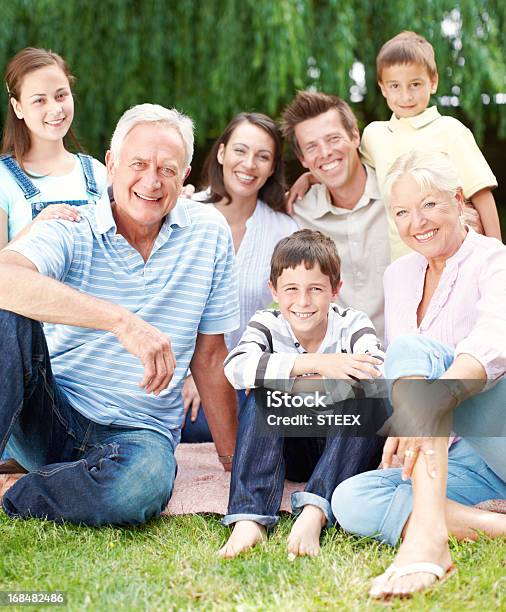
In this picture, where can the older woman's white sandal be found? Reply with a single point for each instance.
(406, 570)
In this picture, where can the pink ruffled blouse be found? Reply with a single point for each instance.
(468, 309)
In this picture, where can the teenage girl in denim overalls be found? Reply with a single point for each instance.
(39, 178)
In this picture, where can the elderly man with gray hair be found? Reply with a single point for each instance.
(130, 296)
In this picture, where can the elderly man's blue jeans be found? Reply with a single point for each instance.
(262, 462)
(80, 471)
(379, 503)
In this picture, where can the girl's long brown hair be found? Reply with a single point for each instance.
(16, 139)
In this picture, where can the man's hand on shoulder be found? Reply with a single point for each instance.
(298, 190)
(152, 347)
(187, 191)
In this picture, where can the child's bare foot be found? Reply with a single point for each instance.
(304, 538)
(243, 537)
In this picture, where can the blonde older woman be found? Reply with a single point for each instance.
(444, 315)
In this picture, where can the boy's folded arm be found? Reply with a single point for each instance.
(241, 365)
(319, 365)
(362, 338)
(248, 367)
(338, 366)
(305, 363)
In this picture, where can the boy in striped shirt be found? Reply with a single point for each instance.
(308, 335)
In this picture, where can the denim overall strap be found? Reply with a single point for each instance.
(89, 175)
(24, 183)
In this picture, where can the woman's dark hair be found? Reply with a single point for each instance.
(16, 135)
(273, 192)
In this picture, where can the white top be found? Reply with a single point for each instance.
(361, 237)
(264, 229)
(71, 186)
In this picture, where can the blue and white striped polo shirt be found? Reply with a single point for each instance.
(185, 287)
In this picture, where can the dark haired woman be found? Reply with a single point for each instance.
(245, 177)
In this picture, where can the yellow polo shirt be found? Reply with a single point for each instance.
(384, 141)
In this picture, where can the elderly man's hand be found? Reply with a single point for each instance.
(152, 348)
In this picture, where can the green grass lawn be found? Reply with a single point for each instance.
(171, 564)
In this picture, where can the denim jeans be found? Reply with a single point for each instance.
(196, 431)
(262, 462)
(80, 471)
(199, 431)
(378, 503)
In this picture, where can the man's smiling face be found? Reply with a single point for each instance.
(327, 150)
(148, 177)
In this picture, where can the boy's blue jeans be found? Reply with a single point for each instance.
(80, 471)
(378, 503)
(261, 464)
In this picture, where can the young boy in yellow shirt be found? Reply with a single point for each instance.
(407, 76)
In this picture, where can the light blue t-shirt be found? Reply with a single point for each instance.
(186, 286)
(70, 186)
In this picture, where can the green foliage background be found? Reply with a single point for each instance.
(214, 58)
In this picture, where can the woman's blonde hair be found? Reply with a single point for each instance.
(431, 170)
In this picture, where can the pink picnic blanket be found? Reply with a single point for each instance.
(201, 485)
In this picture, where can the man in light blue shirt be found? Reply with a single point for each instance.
(130, 296)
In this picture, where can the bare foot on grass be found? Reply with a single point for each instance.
(243, 537)
(304, 538)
